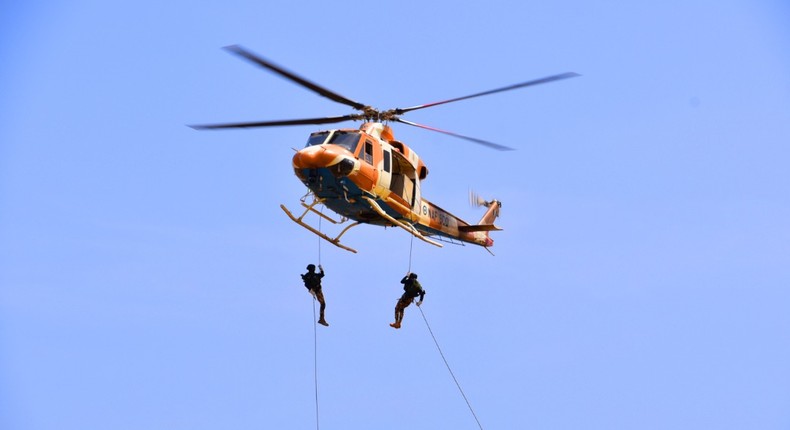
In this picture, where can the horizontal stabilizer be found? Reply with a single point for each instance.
(479, 227)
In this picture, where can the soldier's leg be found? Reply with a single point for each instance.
(319, 295)
(404, 303)
(399, 311)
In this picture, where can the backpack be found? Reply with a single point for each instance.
(311, 280)
(412, 288)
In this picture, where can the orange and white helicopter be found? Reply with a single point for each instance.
(367, 176)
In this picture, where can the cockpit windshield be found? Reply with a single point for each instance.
(346, 139)
(317, 138)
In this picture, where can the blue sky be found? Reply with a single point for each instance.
(148, 278)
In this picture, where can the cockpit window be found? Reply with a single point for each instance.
(317, 138)
(346, 139)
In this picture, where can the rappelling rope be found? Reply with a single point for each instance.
(315, 363)
(449, 369)
(457, 384)
(315, 333)
(319, 238)
(411, 245)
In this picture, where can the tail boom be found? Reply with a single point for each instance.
(434, 220)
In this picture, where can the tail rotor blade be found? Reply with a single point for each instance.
(476, 200)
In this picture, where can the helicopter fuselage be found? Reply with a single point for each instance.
(345, 169)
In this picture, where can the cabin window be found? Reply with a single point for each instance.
(387, 161)
(317, 138)
(346, 139)
(368, 156)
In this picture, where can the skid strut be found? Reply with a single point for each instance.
(310, 208)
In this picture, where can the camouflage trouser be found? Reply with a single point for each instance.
(402, 304)
(319, 295)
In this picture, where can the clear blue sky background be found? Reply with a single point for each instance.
(149, 280)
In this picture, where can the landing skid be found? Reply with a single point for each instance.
(336, 240)
(310, 208)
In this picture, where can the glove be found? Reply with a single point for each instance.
(321, 267)
(419, 303)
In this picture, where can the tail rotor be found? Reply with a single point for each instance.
(477, 201)
(493, 206)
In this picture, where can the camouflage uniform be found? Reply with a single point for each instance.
(312, 281)
(411, 290)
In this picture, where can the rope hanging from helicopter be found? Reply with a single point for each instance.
(315, 364)
(441, 353)
(411, 246)
(457, 384)
(319, 238)
(315, 338)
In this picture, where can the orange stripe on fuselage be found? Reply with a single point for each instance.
(439, 219)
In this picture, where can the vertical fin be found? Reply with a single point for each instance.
(492, 213)
(486, 223)
(493, 208)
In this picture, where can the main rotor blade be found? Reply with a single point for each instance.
(471, 139)
(238, 50)
(327, 120)
(498, 90)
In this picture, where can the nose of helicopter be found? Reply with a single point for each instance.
(314, 157)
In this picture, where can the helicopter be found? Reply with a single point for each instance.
(367, 176)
